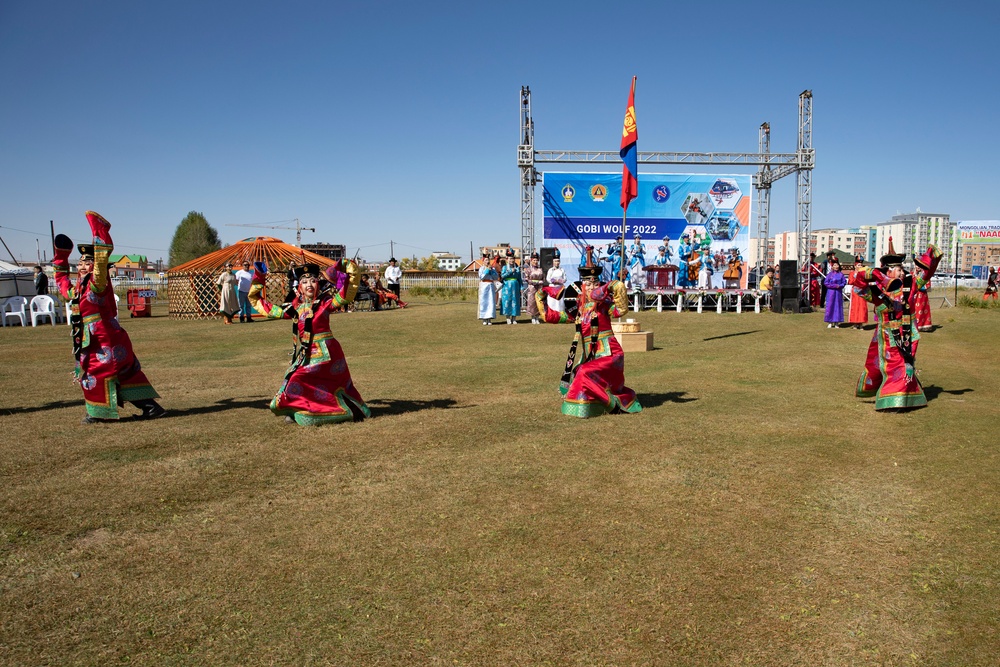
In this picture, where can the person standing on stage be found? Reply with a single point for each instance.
(106, 367)
(510, 292)
(615, 257)
(597, 384)
(393, 274)
(243, 279)
(637, 262)
(488, 277)
(535, 278)
(858, 313)
(834, 283)
(890, 365)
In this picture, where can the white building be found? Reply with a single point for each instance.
(448, 261)
(912, 232)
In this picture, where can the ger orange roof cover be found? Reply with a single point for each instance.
(276, 253)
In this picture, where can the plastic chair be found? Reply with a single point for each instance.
(14, 307)
(42, 306)
(69, 312)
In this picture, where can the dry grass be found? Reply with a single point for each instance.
(755, 513)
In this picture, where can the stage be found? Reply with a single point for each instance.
(699, 300)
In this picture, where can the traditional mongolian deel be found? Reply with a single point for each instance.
(890, 374)
(317, 388)
(488, 278)
(834, 282)
(597, 385)
(106, 366)
(510, 292)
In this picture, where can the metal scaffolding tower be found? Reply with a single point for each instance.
(773, 166)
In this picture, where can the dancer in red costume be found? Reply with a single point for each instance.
(318, 388)
(890, 365)
(106, 366)
(858, 313)
(597, 385)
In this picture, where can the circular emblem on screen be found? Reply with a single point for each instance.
(598, 192)
(661, 193)
(568, 192)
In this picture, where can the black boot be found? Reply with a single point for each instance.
(150, 409)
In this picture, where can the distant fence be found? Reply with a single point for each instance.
(439, 279)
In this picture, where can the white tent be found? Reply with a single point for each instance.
(16, 280)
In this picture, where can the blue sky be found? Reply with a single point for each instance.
(399, 121)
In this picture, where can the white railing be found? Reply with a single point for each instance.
(458, 281)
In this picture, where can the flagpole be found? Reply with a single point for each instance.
(621, 265)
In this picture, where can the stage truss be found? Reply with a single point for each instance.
(772, 167)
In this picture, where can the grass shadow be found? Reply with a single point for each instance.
(393, 406)
(259, 402)
(933, 391)
(54, 405)
(654, 400)
(739, 333)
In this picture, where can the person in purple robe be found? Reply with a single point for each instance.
(834, 282)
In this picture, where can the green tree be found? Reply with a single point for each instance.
(422, 264)
(194, 237)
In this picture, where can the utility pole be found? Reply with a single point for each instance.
(392, 253)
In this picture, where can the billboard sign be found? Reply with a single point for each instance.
(979, 231)
(582, 208)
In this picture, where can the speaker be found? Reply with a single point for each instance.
(545, 259)
(788, 273)
(785, 299)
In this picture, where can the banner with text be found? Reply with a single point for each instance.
(979, 231)
(582, 208)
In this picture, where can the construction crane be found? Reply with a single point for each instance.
(282, 224)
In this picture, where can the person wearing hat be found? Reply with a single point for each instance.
(392, 276)
(551, 299)
(317, 388)
(814, 275)
(921, 304)
(890, 364)
(834, 283)
(596, 385)
(824, 268)
(637, 262)
(685, 250)
(555, 289)
(615, 251)
(857, 314)
(488, 277)
(535, 279)
(666, 249)
(510, 292)
(106, 366)
(228, 303)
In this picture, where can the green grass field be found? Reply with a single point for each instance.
(755, 512)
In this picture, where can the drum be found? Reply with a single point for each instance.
(662, 277)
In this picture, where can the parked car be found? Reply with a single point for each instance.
(963, 279)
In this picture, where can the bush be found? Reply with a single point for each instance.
(970, 301)
(461, 293)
